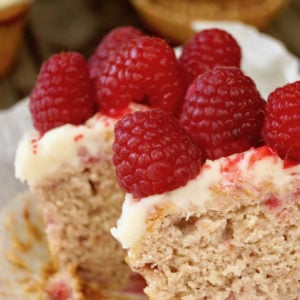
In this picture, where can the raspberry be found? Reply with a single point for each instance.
(153, 154)
(145, 71)
(62, 93)
(207, 49)
(281, 130)
(223, 111)
(111, 43)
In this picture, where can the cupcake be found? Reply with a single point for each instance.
(212, 211)
(12, 19)
(173, 19)
(66, 160)
(230, 233)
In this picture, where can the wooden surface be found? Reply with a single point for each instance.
(56, 25)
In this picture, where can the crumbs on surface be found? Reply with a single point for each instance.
(34, 143)
(21, 244)
(78, 137)
(31, 227)
(231, 163)
(17, 261)
(262, 153)
(273, 203)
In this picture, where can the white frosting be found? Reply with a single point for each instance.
(38, 157)
(65, 145)
(194, 196)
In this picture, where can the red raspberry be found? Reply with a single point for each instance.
(111, 43)
(281, 130)
(223, 111)
(207, 49)
(153, 154)
(145, 71)
(62, 93)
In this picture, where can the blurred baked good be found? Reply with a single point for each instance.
(12, 19)
(172, 19)
(79, 198)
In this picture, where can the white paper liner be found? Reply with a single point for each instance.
(24, 255)
(13, 123)
(265, 59)
(25, 262)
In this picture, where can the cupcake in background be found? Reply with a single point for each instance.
(172, 19)
(13, 15)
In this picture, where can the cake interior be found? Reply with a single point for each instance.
(244, 246)
(79, 207)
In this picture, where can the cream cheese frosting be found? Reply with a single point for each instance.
(37, 157)
(251, 168)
